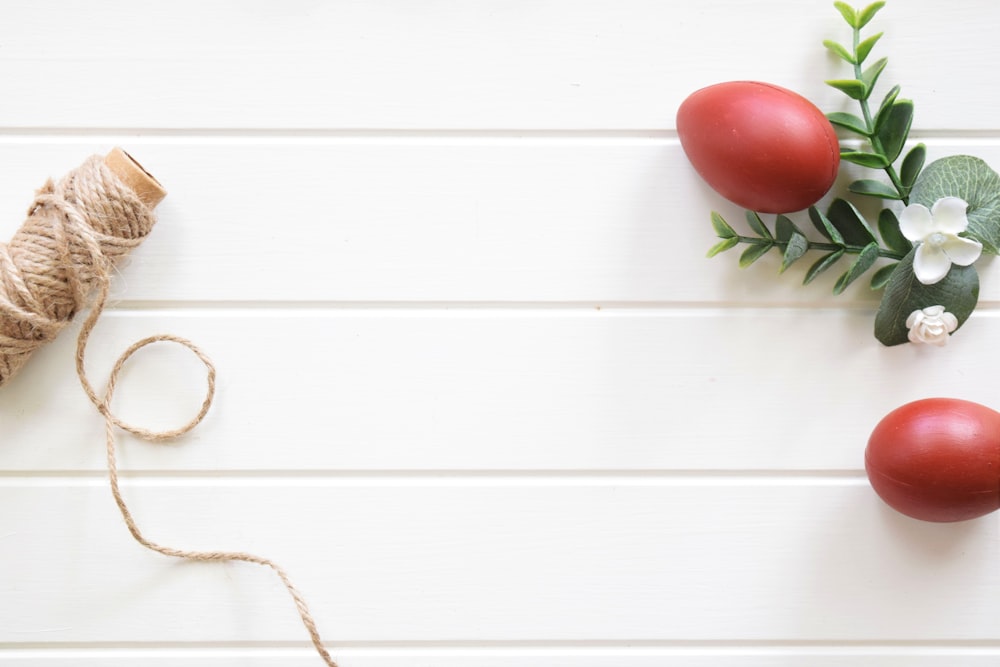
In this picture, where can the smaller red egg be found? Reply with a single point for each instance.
(760, 146)
(937, 459)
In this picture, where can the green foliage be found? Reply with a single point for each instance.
(849, 122)
(912, 164)
(845, 236)
(864, 261)
(888, 229)
(958, 292)
(973, 180)
(843, 228)
(888, 128)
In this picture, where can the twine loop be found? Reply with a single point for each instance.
(64, 254)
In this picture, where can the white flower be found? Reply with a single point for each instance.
(937, 233)
(931, 325)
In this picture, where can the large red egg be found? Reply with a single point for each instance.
(937, 459)
(760, 146)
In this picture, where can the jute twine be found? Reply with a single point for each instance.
(61, 260)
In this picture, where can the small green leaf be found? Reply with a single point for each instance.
(851, 224)
(870, 76)
(853, 88)
(872, 188)
(757, 225)
(797, 246)
(721, 227)
(753, 253)
(974, 181)
(784, 228)
(894, 130)
(883, 108)
(888, 229)
(958, 292)
(882, 276)
(870, 160)
(912, 164)
(822, 264)
(848, 121)
(723, 246)
(865, 47)
(824, 226)
(848, 13)
(868, 13)
(839, 50)
(863, 262)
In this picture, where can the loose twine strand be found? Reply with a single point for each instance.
(64, 252)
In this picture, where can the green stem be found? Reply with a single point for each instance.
(817, 245)
(890, 171)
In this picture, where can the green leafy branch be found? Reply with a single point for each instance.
(845, 230)
(887, 129)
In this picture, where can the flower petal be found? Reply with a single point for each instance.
(949, 215)
(930, 264)
(962, 251)
(916, 222)
(950, 321)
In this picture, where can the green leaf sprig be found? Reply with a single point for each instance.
(887, 129)
(880, 136)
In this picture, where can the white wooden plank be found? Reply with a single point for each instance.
(526, 64)
(754, 657)
(572, 389)
(380, 560)
(463, 220)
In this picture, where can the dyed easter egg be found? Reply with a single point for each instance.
(760, 146)
(937, 459)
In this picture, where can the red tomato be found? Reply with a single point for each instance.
(937, 459)
(760, 146)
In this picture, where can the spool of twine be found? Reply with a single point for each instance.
(60, 262)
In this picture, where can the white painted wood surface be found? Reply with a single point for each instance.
(479, 391)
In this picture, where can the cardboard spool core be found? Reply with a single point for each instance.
(147, 188)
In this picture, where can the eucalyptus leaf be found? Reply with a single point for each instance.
(888, 229)
(822, 264)
(958, 292)
(850, 223)
(721, 227)
(872, 188)
(853, 88)
(797, 246)
(723, 246)
(848, 121)
(870, 160)
(871, 74)
(974, 181)
(867, 14)
(757, 225)
(912, 164)
(753, 253)
(882, 276)
(839, 50)
(894, 130)
(824, 226)
(865, 48)
(866, 258)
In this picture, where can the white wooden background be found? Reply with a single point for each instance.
(480, 392)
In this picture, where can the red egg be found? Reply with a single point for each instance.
(760, 146)
(937, 459)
